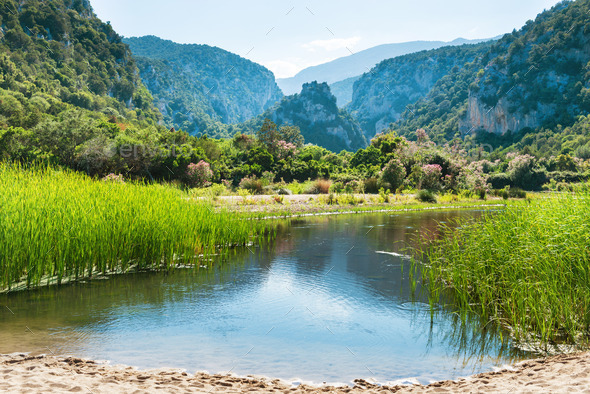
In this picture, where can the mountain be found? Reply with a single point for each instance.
(536, 77)
(58, 55)
(342, 90)
(315, 112)
(382, 95)
(199, 88)
(359, 63)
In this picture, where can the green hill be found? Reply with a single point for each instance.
(315, 112)
(533, 79)
(199, 88)
(54, 54)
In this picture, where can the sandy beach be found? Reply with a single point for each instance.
(20, 373)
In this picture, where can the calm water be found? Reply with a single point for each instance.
(325, 304)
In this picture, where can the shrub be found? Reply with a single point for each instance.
(252, 184)
(199, 174)
(323, 186)
(372, 185)
(393, 174)
(481, 193)
(352, 186)
(384, 195)
(499, 181)
(337, 187)
(431, 177)
(426, 196)
(516, 192)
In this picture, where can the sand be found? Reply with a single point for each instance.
(43, 374)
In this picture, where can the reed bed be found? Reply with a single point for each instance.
(62, 224)
(526, 267)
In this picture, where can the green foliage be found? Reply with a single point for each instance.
(426, 196)
(326, 126)
(204, 89)
(65, 225)
(523, 266)
(58, 53)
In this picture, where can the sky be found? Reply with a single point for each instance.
(287, 36)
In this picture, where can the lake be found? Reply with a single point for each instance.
(328, 301)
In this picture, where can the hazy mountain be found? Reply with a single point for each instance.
(359, 63)
(200, 88)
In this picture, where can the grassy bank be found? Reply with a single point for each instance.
(527, 267)
(62, 224)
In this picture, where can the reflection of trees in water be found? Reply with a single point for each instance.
(88, 302)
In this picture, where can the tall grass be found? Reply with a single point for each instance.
(527, 267)
(62, 224)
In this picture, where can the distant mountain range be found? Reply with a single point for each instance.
(355, 65)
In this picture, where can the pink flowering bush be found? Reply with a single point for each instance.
(200, 174)
(285, 149)
(431, 177)
(114, 178)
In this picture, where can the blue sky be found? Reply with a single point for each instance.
(287, 36)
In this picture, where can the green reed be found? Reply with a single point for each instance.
(526, 267)
(62, 224)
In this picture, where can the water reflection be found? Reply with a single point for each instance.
(320, 305)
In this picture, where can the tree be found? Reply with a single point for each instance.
(393, 174)
(291, 134)
(268, 134)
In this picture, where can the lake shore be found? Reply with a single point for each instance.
(42, 374)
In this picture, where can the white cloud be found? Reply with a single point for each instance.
(282, 68)
(331, 45)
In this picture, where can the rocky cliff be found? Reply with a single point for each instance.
(315, 112)
(382, 95)
(539, 78)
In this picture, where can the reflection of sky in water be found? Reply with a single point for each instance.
(322, 305)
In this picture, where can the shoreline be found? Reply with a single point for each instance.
(99, 275)
(41, 374)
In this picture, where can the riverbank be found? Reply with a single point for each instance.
(43, 374)
(320, 204)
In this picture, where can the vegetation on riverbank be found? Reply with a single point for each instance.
(58, 223)
(526, 267)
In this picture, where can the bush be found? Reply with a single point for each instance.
(337, 187)
(499, 181)
(323, 186)
(516, 192)
(431, 177)
(199, 174)
(252, 184)
(393, 174)
(426, 196)
(372, 185)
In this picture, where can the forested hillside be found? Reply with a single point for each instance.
(533, 80)
(57, 53)
(382, 95)
(199, 88)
